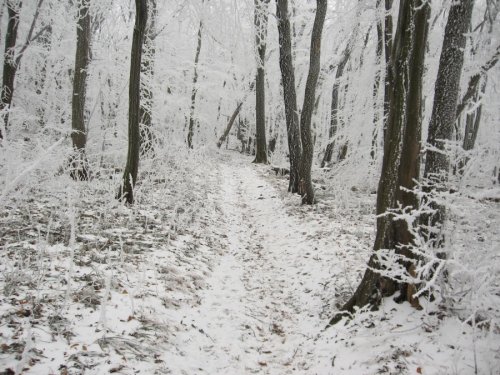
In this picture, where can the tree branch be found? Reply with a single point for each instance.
(474, 81)
(29, 38)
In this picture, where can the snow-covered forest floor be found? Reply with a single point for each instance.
(217, 270)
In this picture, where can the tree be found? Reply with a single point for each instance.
(337, 89)
(477, 86)
(147, 71)
(134, 112)
(194, 89)
(82, 59)
(388, 61)
(235, 114)
(400, 161)
(289, 94)
(12, 60)
(446, 93)
(334, 109)
(9, 65)
(306, 186)
(260, 23)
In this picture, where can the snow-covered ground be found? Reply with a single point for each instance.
(216, 270)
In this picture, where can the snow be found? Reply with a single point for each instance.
(217, 270)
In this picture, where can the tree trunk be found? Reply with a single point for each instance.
(1, 16)
(378, 79)
(233, 117)
(389, 75)
(444, 110)
(447, 90)
(194, 90)
(334, 109)
(306, 186)
(147, 71)
(289, 94)
(399, 148)
(409, 166)
(9, 64)
(472, 122)
(475, 80)
(335, 104)
(260, 22)
(229, 125)
(132, 166)
(79, 166)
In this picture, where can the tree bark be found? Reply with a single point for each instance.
(399, 148)
(306, 186)
(334, 109)
(389, 75)
(378, 80)
(147, 71)
(444, 110)
(289, 94)
(132, 166)
(9, 65)
(260, 22)
(409, 165)
(79, 166)
(447, 90)
(194, 90)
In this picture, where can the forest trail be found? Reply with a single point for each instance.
(253, 316)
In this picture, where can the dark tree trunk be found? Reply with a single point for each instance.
(336, 90)
(147, 71)
(9, 65)
(306, 186)
(132, 167)
(444, 110)
(378, 80)
(233, 118)
(388, 84)
(334, 109)
(409, 166)
(1, 16)
(79, 167)
(260, 21)
(447, 90)
(12, 60)
(472, 122)
(400, 144)
(229, 125)
(194, 90)
(289, 94)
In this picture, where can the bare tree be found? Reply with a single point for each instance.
(79, 170)
(147, 71)
(12, 60)
(134, 112)
(195, 88)
(400, 162)
(289, 93)
(447, 89)
(334, 109)
(260, 23)
(305, 185)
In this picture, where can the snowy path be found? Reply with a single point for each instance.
(254, 316)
